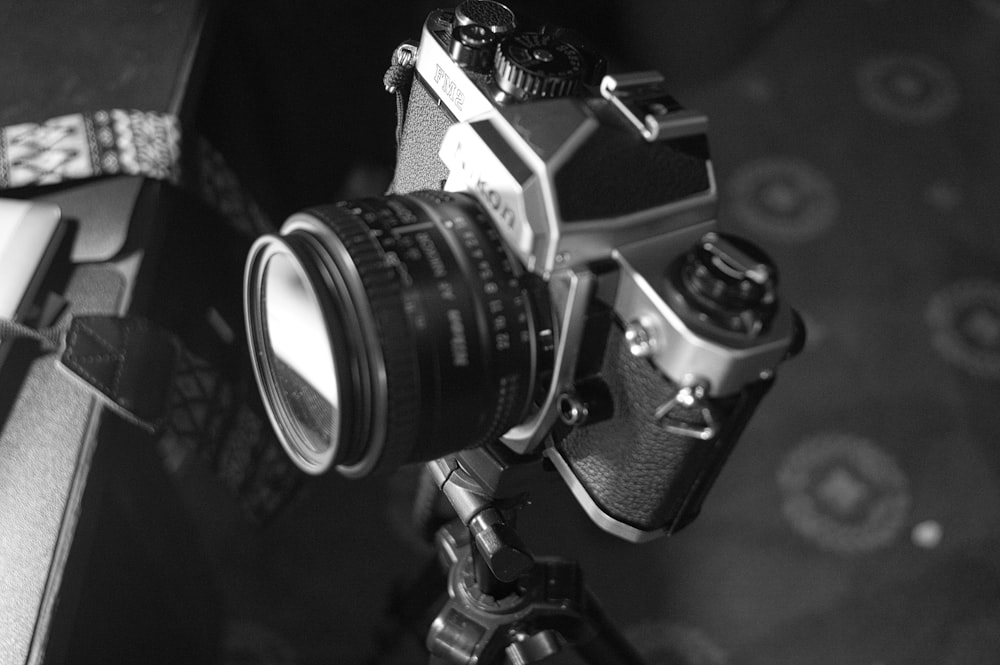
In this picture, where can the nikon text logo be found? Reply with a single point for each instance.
(501, 210)
(448, 87)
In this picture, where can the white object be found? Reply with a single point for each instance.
(26, 229)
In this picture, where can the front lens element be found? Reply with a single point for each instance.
(302, 362)
(293, 356)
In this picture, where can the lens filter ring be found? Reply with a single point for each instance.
(298, 375)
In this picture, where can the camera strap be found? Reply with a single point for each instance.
(399, 78)
(116, 142)
(129, 363)
(144, 373)
(147, 376)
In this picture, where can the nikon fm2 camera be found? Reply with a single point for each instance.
(545, 273)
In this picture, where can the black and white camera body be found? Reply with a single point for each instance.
(607, 193)
(549, 246)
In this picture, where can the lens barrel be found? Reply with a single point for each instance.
(390, 330)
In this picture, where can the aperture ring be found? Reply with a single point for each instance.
(500, 303)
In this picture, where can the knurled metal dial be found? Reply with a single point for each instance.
(537, 65)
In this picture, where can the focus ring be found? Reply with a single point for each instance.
(383, 293)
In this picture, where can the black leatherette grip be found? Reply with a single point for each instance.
(631, 466)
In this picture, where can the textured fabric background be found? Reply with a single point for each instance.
(858, 520)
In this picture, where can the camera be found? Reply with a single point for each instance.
(545, 275)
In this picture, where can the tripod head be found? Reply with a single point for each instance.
(505, 605)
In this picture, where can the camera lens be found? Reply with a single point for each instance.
(391, 330)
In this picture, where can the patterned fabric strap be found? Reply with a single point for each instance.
(126, 361)
(125, 142)
(86, 145)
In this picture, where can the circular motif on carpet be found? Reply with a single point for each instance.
(782, 198)
(964, 319)
(843, 493)
(915, 89)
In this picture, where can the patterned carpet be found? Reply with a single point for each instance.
(859, 519)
